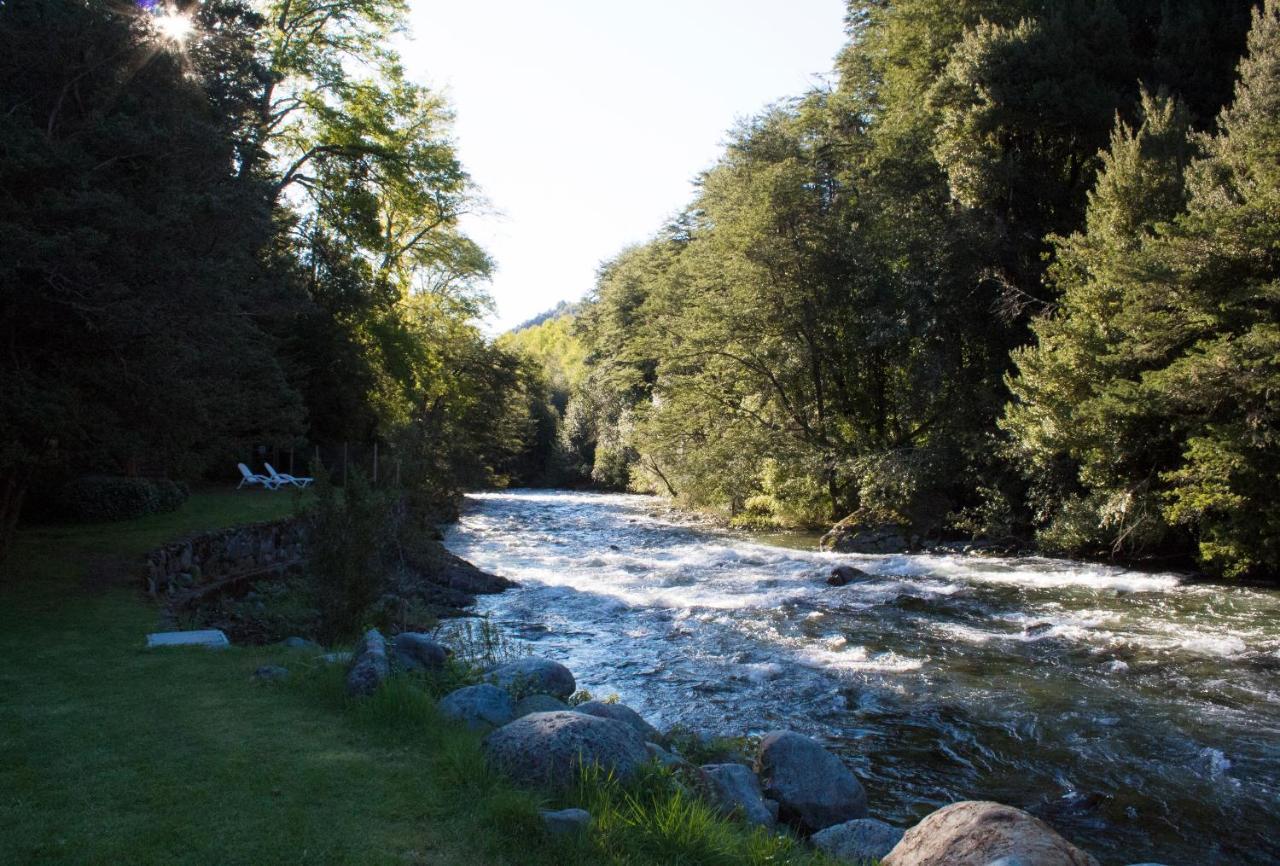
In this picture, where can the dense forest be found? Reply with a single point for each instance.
(1014, 273)
(240, 235)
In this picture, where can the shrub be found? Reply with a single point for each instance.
(104, 497)
(351, 529)
(171, 494)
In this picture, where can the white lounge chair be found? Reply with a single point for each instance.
(282, 479)
(251, 479)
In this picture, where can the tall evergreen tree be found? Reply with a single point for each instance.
(1158, 378)
(1224, 290)
(1094, 446)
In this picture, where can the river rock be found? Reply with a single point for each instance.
(566, 822)
(861, 538)
(843, 575)
(532, 676)
(665, 758)
(548, 748)
(416, 651)
(814, 789)
(624, 714)
(975, 833)
(735, 790)
(539, 704)
(369, 665)
(858, 840)
(300, 643)
(479, 706)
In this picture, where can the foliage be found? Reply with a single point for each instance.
(1148, 402)
(479, 643)
(100, 498)
(250, 236)
(129, 275)
(555, 345)
(350, 530)
(827, 328)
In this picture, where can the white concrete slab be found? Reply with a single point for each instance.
(212, 638)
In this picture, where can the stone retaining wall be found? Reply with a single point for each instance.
(224, 556)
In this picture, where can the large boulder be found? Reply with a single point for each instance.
(416, 651)
(858, 840)
(864, 538)
(814, 789)
(539, 704)
(549, 748)
(369, 665)
(735, 791)
(974, 833)
(624, 714)
(534, 676)
(479, 706)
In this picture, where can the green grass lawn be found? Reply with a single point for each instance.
(113, 754)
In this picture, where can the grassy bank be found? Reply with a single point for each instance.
(113, 754)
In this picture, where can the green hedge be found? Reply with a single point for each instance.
(103, 497)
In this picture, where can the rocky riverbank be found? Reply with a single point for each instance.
(251, 582)
(542, 736)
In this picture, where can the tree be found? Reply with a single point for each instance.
(1085, 432)
(1225, 376)
(131, 289)
(1158, 377)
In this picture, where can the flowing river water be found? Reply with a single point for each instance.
(1137, 713)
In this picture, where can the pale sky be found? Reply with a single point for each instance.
(584, 122)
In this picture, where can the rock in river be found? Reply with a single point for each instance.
(813, 788)
(975, 833)
(533, 676)
(479, 706)
(843, 575)
(548, 748)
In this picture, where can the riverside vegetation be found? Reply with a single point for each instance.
(1011, 275)
(113, 754)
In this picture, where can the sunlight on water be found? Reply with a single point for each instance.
(1139, 713)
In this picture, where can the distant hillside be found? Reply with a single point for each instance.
(550, 340)
(564, 308)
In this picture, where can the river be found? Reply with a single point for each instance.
(1137, 713)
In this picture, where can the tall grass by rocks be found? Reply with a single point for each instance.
(655, 819)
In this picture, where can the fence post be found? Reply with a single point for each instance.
(344, 464)
(375, 464)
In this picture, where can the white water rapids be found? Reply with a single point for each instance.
(1138, 713)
